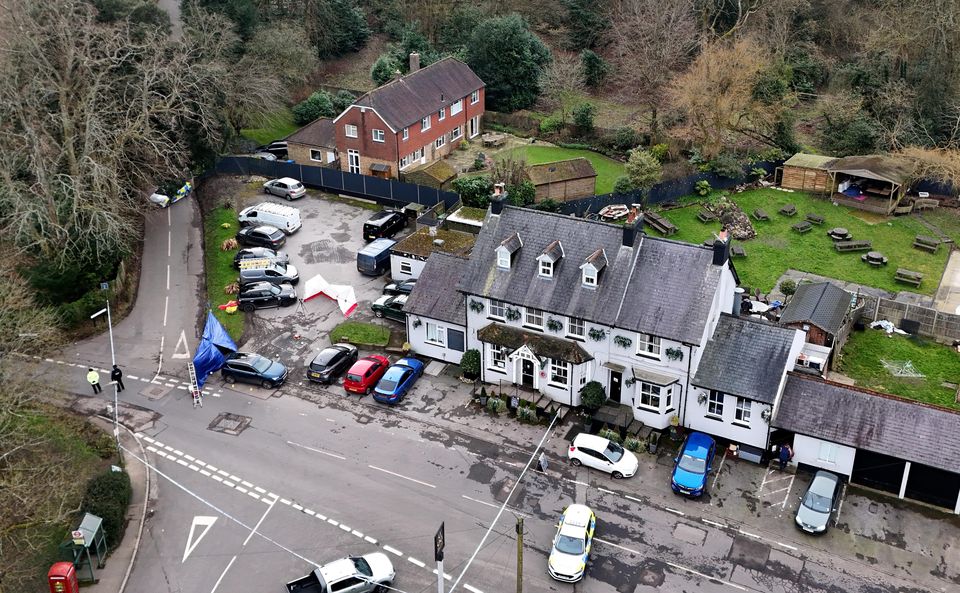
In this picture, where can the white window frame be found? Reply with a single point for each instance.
(503, 259)
(439, 337)
(559, 372)
(475, 124)
(405, 162)
(498, 309)
(648, 345)
(533, 317)
(406, 133)
(546, 268)
(406, 267)
(457, 107)
(418, 154)
(475, 97)
(440, 141)
(350, 130)
(715, 404)
(425, 124)
(573, 324)
(378, 135)
(442, 114)
(743, 411)
(650, 395)
(314, 151)
(457, 132)
(668, 399)
(498, 357)
(827, 452)
(589, 277)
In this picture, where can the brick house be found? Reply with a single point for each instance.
(411, 120)
(314, 144)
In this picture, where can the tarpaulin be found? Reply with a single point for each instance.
(212, 350)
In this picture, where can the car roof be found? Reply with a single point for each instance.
(591, 441)
(338, 569)
(366, 362)
(287, 180)
(243, 356)
(410, 362)
(266, 228)
(256, 286)
(577, 515)
(400, 298)
(698, 444)
(824, 483)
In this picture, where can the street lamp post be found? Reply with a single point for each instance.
(113, 362)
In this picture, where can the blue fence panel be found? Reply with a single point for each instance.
(935, 187)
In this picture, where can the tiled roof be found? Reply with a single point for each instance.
(319, 132)
(541, 345)
(553, 251)
(871, 421)
(558, 171)
(598, 259)
(435, 296)
(512, 243)
(731, 358)
(406, 100)
(661, 287)
(822, 304)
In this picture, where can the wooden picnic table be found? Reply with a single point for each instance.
(491, 139)
(660, 223)
(814, 218)
(706, 215)
(874, 258)
(760, 214)
(789, 210)
(802, 227)
(842, 246)
(908, 276)
(927, 243)
(839, 234)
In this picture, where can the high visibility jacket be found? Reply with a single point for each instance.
(93, 377)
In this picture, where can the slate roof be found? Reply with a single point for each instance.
(823, 305)
(543, 346)
(809, 161)
(435, 296)
(319, 132)
(558, 171)
(876, 422)
(512, 243)
(598, 259)
(406, 100)
(554, 251)
(745, 357)
(660, 287)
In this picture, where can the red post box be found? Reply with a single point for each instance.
(62, 578)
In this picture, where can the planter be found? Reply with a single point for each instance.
(652, 442)
(674, 433)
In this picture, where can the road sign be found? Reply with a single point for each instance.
(438, 543)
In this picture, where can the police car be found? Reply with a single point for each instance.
(571, 546)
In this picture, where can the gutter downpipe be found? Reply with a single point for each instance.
(686, 395)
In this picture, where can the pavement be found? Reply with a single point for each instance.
(948, 294)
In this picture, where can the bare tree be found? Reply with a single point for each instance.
(285, 47)
(562, 85)
(721, 19)
(775, 24)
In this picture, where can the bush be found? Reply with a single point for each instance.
(383, 69)
(548, 205)
(611, 435)
(583, 117)
(727, 165)
(592, 396)
(522, 194)
(470, 363)
(623, 185)
(527, 415)
(702, 187)
(758, 172)
(108, 496)
(659, 151)
(625, 138)
(631, 444)
(496, 405)
(594, 69)
(474, 191)
(550, 125)
(342, 100)
(317, 105)
(788, 287)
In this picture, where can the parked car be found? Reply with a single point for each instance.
(267, 156)
(249, 367)
(275, 273)
(571, 546)
(693, 464)
(370, 573)
(385, 223)
(405, 287)
(364, 374)
(277, 149)
(390, 307)
(285, 187)
(261, 295)
(602, 454)
(398, 380)
(374, 259)
(818, 503)
(261, 236)
(286, 218)
(248, 253)
(331, 362)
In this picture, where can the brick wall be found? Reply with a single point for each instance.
(300, 153)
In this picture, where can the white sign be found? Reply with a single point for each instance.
(77, 537)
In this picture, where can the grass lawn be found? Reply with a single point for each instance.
(946, 220)
(219, 266)
(360, 333)
(277, 126)
(778, 247)
(938, 363)
(608, 170)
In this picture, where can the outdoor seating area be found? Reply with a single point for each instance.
(659, 223)
(789, 210)
(874, 258)
(814, 218)
(842, 246)
(908, 276)
(706, 215)
(760, 214)
(926, 243)
(491, 139)
(802, 227)
(839, 234)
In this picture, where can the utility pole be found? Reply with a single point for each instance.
(519, 554)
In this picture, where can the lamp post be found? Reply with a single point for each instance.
(113, 362)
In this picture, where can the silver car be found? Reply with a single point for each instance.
(285, 187)
(818, 503)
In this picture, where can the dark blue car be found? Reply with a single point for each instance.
(398, 380)
(693, 464)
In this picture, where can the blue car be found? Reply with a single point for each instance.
(693, 464)
(398, 380)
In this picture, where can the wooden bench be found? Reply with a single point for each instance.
(760, 214)
(904, 209)
(706, 216)
(736, 250)
(908, 276)
(789, 210)
(925, 204)
(659, 223)
(802, 227)
(853, 246)
(814, 218)
(926, 243)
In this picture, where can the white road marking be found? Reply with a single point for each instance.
(205, 473)
(166, 304)
(167, 447)
(748, 534)
(224, 573)
(259, 489)
(217, 478)
(168, 276)
(253, 495)
(627, 496)
(190, 458)
(247, 484)
(714, 523)
(285, 501)
(719, 469)
(178, 452)
(240, 489)
(229, 483)
(369, 540)
(135, 378)
(413, 560)
(471, 589)
(607, 491)
(625, 549)
(207, 522)
(182, 349)
(386, 471)
(255, 527)
(235, 478)
(297, 507)
(787, 495)
(705, 576)
(327, 453)
(193, 467)
(836, 520)
(575, 482)
(322, 517)
(160, 363)
(787, 546)
(169, 241)
(357, 533)
(674, 511)
(393, 551)
(345, 528)
(445, 575)
(333, 522)
(309, 512)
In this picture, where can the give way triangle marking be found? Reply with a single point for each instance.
(181, 351)
(207, 523)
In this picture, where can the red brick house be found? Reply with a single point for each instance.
(411, 120)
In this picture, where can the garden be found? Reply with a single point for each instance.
(608, 170)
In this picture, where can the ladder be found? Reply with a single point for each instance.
(195, 392)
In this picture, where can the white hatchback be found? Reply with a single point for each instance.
(602, 454)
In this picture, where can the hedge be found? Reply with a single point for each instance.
(108, 496)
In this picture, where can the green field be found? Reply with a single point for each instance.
(778, 247)
(219, 266)
(608, 170)
(361, 334)
(275, 127)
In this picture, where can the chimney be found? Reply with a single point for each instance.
(630, 232)
(496, 200)
(414, 62)
(737, 301)
(721, 248)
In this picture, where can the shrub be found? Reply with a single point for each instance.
(232, 288)
(496, 405)
(342, 99)
(727, 165)
(229, 244)
(623, 185)
(463, 145)
(108, 496)
(592, 395)
(550, 125)
(625, 138)
(594, 69)
(631, 444)
(479, 162)
(383, 69)
(528, 415)
(702, 187)
(659, 151)
(470, 363)
(583, 117)
(609, 434)
(474, 191)
(788, 287)
(758, 172)
(317, 105)
(522, 194)
(548, 205)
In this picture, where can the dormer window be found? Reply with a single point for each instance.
(503, 259)
(589, 276)
(591, 268)
(508, 247)
(548, 259)
(546, 268)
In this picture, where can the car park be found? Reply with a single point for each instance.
(818, 503)
(384, 224)
(331, 362)
(374, 259)
(390, 307)
(571, 546)
(692, 465)
(398, 380)
(275, 273)
(602, 454)
(261, 236)
(260, 253)
(362, 377)
(249, 367)
(286, 218)
(405, 287)
(370, 573)
(285, 187)
(261, 295)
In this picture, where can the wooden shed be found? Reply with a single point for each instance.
(438, 175)
(563, 180)
(808, 172)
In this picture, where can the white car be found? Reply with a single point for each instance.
(285, 187)
(571, 546)
(602, 454)
(370, 573)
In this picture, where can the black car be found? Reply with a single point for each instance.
(253, 368)
(261, 236)
(278, 257)
(331, 362)
(405, 287)
(261, 295)
(385, 223)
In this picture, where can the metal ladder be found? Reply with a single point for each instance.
(194, 386)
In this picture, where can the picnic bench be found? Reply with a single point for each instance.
(908, 276)
(789, 210)
(903, 209)
(926, 243)
(706, 215)
(802, 226)
(493, 139)
(736, 250)
(925, 204)
(814, 218)
(760, 214)
(874, 258)
(853, 246)
(659, 223)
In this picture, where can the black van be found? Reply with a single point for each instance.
(374, 259)
(384, 224)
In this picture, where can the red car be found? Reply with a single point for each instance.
(365, 373)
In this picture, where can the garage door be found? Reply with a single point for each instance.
(878, 471)
(933, 486)
(455, 340)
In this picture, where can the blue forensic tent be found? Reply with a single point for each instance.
(211, 353)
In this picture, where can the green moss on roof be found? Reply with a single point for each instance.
(471, 213)
(420, 243)
(809, 161)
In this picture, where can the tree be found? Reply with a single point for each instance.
(643, 170)
(561, 86)
(454, 31)
(334, 27)
(384, 69)
(342, 99)
(585, 23)
(317, 105)
(474, 191)
(512, 77)
(593, 395)
(594, 69)
(285, 47)
(583, 118)
(846, 129)
(243, 13)
(509, 171)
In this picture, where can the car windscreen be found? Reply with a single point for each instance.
(387, 385)
(276, 234)
(692, 464)
(363, 567)
(260, 364)
(614, 452)
(354, 378)
(274, 289)
(324, 358)
(816, 502)
(569, 545)
(296, 186)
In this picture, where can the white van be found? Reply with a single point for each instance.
(286, 218)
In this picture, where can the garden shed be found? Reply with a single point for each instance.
(438, 175)
(808, 172)
(875, 183)
(563, 180)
